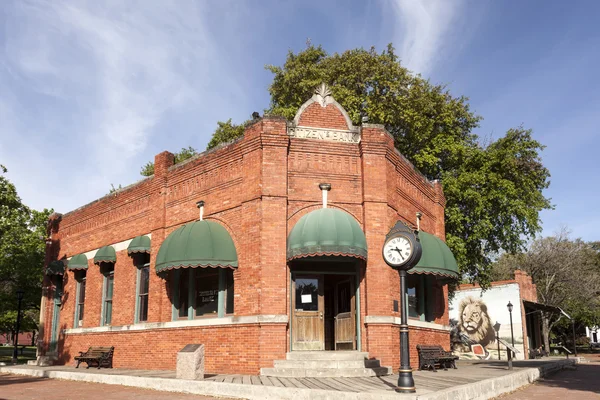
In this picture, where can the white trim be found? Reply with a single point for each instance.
(387, 319)
(199, 322)
(117, 246)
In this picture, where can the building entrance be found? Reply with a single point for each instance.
(323, 311)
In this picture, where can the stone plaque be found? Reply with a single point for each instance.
(190, 362)
(331, 135)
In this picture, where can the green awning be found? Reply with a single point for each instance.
(327, 232)
(79, 261)
(437, 259)
(55, 268)
(139, 244)
(197, 244)
(105, 254)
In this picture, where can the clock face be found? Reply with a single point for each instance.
(397, 250)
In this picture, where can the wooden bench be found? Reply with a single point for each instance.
(431, 357)
(101, 356)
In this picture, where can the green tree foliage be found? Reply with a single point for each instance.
(22, 250)
(493, 191)
(226, 132)
(184, 154)
(567, 275)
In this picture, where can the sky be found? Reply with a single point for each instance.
(91, 90)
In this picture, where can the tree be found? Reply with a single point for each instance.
(493, 191)
(567, 275)
(226, 132)
(184, 154)
(22, 251)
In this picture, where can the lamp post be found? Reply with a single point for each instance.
(512, 335)
(497, 329)
(20, 294)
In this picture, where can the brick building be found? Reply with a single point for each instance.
(272, 264)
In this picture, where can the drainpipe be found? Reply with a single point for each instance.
(325, 187)
(200, 205)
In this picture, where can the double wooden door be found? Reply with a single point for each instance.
(308, 312)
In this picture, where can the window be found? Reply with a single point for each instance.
(420, 297)
(107, 294)
(142, 262)
(80, 298)
(203, 292)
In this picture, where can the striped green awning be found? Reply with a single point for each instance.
(78, 261)
(198, 244)
(105, 254)
(327, 232)
(139, 244)
(437, 258)
(55, 268)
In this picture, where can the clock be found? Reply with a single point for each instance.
(402, 248)
(397, 250)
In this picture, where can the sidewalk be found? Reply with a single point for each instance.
(472, 380)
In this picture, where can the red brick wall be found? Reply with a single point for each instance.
(257, 188)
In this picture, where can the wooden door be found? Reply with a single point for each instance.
(307, 315)
(345, 316)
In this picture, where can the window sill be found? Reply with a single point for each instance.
(200, 322)
(385, 319)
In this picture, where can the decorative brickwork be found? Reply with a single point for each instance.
(257, 187)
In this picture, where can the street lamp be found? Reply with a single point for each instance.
(20, 294)
(512, 335)
(497, 329)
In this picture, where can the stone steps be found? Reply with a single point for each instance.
(323, 364)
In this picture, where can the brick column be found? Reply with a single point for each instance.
(159, 304)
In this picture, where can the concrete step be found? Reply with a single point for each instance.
(324, 372)
(327, 364)
(327, 355)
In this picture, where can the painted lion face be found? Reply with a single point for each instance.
(472, 318)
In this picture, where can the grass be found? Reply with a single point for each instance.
(7, 352)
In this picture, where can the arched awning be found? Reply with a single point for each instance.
(105, 254)
(437, 259)
(78, 261)
(139, 244)
(56, 268)
(327, 232)
(197, 244)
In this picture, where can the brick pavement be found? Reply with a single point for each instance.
(581, 383)
(17, 387)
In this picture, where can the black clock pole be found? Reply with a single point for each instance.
(406, 383)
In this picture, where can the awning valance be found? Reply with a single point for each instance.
(55, 268)
(197, 244)
(78, 261)
(437, 259)
(139, 244)
(327, 232)
(105, 254)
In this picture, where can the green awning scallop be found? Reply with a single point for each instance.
(437, 259)
(327, 232)
(55, 268)
(105, 254)
(139, 244)
(78, 261)
(197, 244)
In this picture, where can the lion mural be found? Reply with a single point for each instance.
(474, 321)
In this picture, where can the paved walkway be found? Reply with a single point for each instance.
(581, 383)
(472, 378)
(18, 387)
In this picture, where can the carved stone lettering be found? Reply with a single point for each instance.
(324, 134)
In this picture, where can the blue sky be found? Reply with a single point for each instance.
(92, 90)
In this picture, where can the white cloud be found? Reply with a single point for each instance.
(93, 81)
(423, 29)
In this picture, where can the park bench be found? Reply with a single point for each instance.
(102, 356)
(431, 357)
